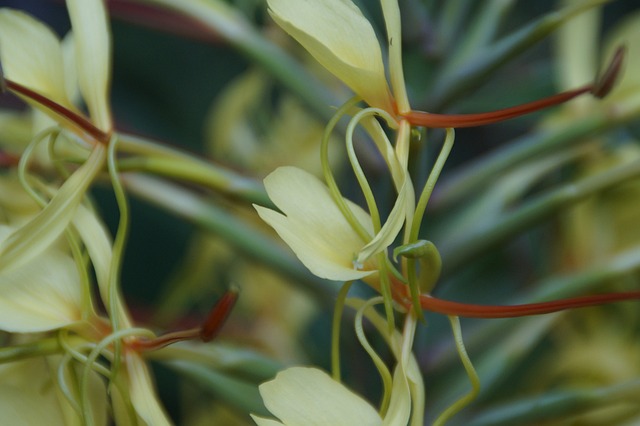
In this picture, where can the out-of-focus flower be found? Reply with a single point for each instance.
(29, 395)
(33, 58)
(250, 130)
(33, 61)
(46, 282)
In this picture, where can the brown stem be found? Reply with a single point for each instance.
(426, 119)
(486, 311)
(143, 345)
(77, 119)
(600, 88)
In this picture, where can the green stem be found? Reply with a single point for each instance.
(471, 373)
(335, 330)
(336, 195)
(357, 169)
(414, 288)
(431, 183)
(38, 348)
(385, 375)
(153, 157)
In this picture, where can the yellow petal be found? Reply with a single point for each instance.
(399, 410)
(93, 57)
(391, 12)
(45, 294)
(261, 421)
(22, 403)
(143, 394)
(339, 37)
(312, 225)
(308, 396)
(29, 394)
(31, 55)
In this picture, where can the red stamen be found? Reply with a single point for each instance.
(206, 333)
(468, 310)
(218, 315)
(606, 81)
(143, 345)
(75, 118)
(426, 119)
(600, 88)
(483, 311)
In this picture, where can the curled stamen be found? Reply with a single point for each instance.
(599, 88)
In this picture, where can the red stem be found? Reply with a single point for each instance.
(486, 311)
(600, 88)
(79, 120)
(426, 119)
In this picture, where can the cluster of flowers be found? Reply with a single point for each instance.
(74, 356)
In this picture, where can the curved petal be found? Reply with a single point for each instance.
(143, 394)
(339, 37)
(399, 411)
(261, 421)
(27, 397)
(391, 12)
(391, 227)
(31, 55)
(31, 239)
(312, 225)
(93, 57)
(308, 396)
(43, 295)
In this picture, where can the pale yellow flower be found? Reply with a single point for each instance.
(307, 396)
(313, 226)
(33, 56)
(29, 395)
(337, 35)
(37, 68)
